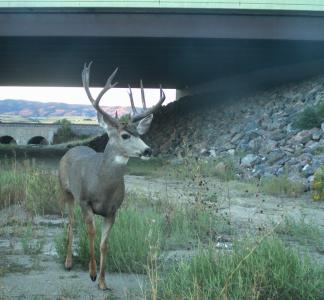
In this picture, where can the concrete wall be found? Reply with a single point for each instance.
(23, 133)
(212, 4)
(94, 130)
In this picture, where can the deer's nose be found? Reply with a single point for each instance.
(147, 152)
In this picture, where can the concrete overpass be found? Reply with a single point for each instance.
(40, 134)
(192, 49)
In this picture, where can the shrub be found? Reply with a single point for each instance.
(318, 184)
(65, 133)
(310, 117)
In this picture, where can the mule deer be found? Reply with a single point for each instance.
(96, 180)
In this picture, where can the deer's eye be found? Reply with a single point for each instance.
(125, 136)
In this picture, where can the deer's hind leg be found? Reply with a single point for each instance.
(68, 199)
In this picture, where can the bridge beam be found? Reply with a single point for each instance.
(171, 23)
(174, 47)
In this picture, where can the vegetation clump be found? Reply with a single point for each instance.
(318, 184)
(36, 189)
(300, 230)
(281, 186)
(310, 117)
(64, 133)
(140, 227)
(30, 244)
(264, 270)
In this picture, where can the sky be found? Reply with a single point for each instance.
(77, 95)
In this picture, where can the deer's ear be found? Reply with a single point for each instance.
(105, 123)
(101, 121)
(144, 125)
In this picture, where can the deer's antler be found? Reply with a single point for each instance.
(95, 102)
(138, 116)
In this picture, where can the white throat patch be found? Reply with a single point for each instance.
(122, 160)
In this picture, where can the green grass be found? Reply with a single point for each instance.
(30, 244)
(306, 233)
(189, 168)
(8, 146)
(194, 168)
(153, 167)
(147, 228)
(129, 244)
(34, 188)
(191, 224)
(141, 225)
(271, 271)
(257, 268)
(281, 186)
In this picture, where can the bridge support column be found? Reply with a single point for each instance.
(21, 141)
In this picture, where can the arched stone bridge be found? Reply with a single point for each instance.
(42, 134)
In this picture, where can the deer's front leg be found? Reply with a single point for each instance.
(89, 220)
(68, 260)
(103, 250)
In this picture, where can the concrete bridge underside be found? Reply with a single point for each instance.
(183, 49)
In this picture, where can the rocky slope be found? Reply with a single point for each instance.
(258, 128)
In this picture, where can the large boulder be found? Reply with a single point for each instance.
(250, 160)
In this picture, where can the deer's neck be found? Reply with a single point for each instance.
(114, 158)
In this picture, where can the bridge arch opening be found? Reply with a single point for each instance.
(38, 140)
(7, 139)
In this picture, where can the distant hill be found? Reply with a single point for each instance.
(34, 109)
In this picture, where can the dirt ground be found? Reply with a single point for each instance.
(42, 276)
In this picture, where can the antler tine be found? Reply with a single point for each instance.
(95, 102)
(130, 94)
(151, 110)
(143, 95)
(107, 86)
(85, 80)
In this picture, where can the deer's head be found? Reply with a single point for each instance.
(125, 137)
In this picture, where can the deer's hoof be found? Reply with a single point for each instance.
(102, 285)
(93, 270)
(68, 265)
